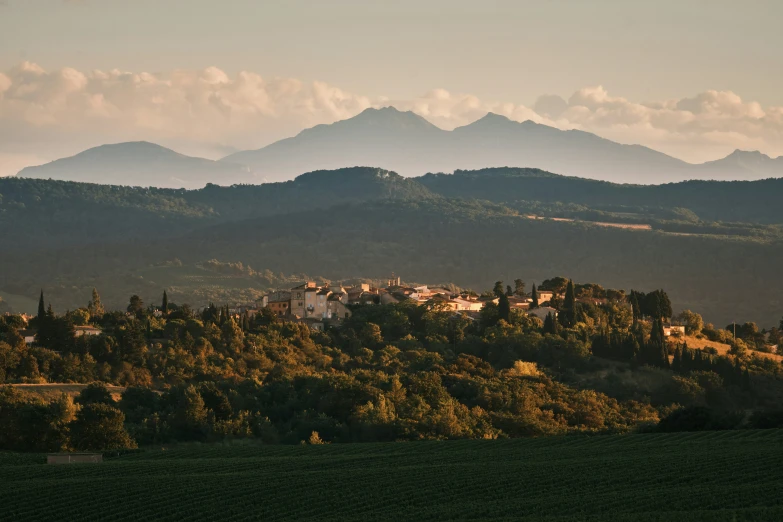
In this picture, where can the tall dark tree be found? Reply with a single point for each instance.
(41, 307)
(136, 305)
(509, 291)
(635, 306)
(165, 304)
(550, 324)
(534, 297)
(568, 315)
(498, 289)
(504, 307)
(677, 361)
(519, 287)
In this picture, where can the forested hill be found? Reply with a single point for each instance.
(45, 213)
(365, 222)
(740, 201)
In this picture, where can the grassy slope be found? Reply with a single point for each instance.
(687, 476)
(721, 348)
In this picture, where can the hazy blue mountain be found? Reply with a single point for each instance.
(406, 143)
(743, 164)
(375, 137)
(140, 164)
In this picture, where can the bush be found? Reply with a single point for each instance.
(697, 418)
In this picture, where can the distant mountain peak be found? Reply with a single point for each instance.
(748, 154)
(494, 117)
(389, 116)
(139, 163)
(130, 147)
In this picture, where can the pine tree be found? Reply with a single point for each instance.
(498, 289)
(165, 304)
(95, 307)
(509, 291)
(534, 296)
(519, 287)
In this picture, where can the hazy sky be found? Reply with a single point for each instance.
(318, 61)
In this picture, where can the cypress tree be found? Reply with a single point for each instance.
(41, 308)
(534, 296)
(550, 325)
(504, 307)
(165, 304)
(569, 307)
(509, 291)
(635, 307)
(498, 289)
(697, 362)
(737, 372)
(677, 361)
(687, 358)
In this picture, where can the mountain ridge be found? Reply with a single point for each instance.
(406, 143)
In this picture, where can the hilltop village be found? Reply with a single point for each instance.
(329, 305)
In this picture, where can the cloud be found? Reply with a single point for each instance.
(49, 114)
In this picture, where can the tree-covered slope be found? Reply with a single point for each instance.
(743, 201)
(471, 244)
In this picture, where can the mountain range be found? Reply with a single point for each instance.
(406, 143)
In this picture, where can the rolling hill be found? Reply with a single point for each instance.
(468, 228)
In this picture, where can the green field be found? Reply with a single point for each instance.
(734, 475)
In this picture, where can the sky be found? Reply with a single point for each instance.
(694, 79)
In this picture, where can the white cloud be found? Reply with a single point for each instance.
(48, 114)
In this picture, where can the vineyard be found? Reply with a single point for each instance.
(732, 475)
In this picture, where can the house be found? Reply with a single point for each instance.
(520, 303)
(28, 335)
(86, 330)
(676, 331)
(462, 304)
(387, 298)
(320, 309)
(544, 296)
(312, 322)
(298, 305)
(542, 312)
(280, 308)
(336, 309)
(310, 299)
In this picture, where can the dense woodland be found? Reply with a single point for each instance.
(715, 245)
(389, 372)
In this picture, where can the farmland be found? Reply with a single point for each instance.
(686, 476)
